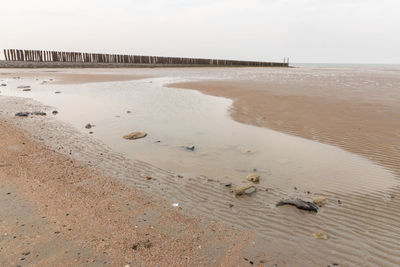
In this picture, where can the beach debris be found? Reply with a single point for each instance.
(175, 204)
(90, 132)
(128, 111)
(319, 200)
(148, 177)
(22, 114)
(158, 141)
(228, 185)
(145, 244)
(39, 113)
(23, 87)
(57, 92)
(339, 201)
(190, 147)
(320, 234)
(55, 112)
(135, 135)
(180, 176)
(88, 126)
(26, 90)
(244, 189)
(300, 204)
(3, 84)
(255, 178)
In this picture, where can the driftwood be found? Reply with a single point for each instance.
(300, 204)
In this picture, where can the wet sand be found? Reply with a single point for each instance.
(361, 226)
(71, 76)
(55, 211)
(365, 122)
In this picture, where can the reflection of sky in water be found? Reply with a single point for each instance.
(224, 148)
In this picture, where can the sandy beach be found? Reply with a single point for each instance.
(74, 198)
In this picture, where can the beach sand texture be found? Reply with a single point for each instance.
(354, 109)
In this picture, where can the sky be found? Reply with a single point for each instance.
(306, 31)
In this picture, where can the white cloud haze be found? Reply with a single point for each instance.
(354, 31)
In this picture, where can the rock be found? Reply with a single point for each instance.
(39, 113)
(191, 148)
(250, 191)
(320, 235)
(300, 204)
(22, 114)
(319, 200)
(55, 112)
(88, 126)
(135, 135)
(255, 178)
(240, 190)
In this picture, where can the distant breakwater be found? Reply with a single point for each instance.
(112, 60)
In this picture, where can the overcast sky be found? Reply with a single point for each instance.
(340, 31)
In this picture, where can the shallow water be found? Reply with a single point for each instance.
(224, 149)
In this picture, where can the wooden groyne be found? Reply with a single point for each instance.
(79, 57)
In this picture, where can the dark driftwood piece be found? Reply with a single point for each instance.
(300, 204)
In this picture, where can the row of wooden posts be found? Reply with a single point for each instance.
(78, 57)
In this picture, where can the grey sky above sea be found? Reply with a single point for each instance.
(337, 31)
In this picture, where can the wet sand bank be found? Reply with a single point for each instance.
(366, 122)
(56, 211)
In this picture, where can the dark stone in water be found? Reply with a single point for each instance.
(22, 114)
(39, 113)
(191, 148)
(300, 204)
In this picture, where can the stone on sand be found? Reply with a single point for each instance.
(319, 200)
(244, 189)
(22, 114)
(320, 235)
(135, 135)
(255, 178)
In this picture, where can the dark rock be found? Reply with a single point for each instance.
(22, 114)
(300, 204)
(39, 113)
(55, 112)
(191, 148)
